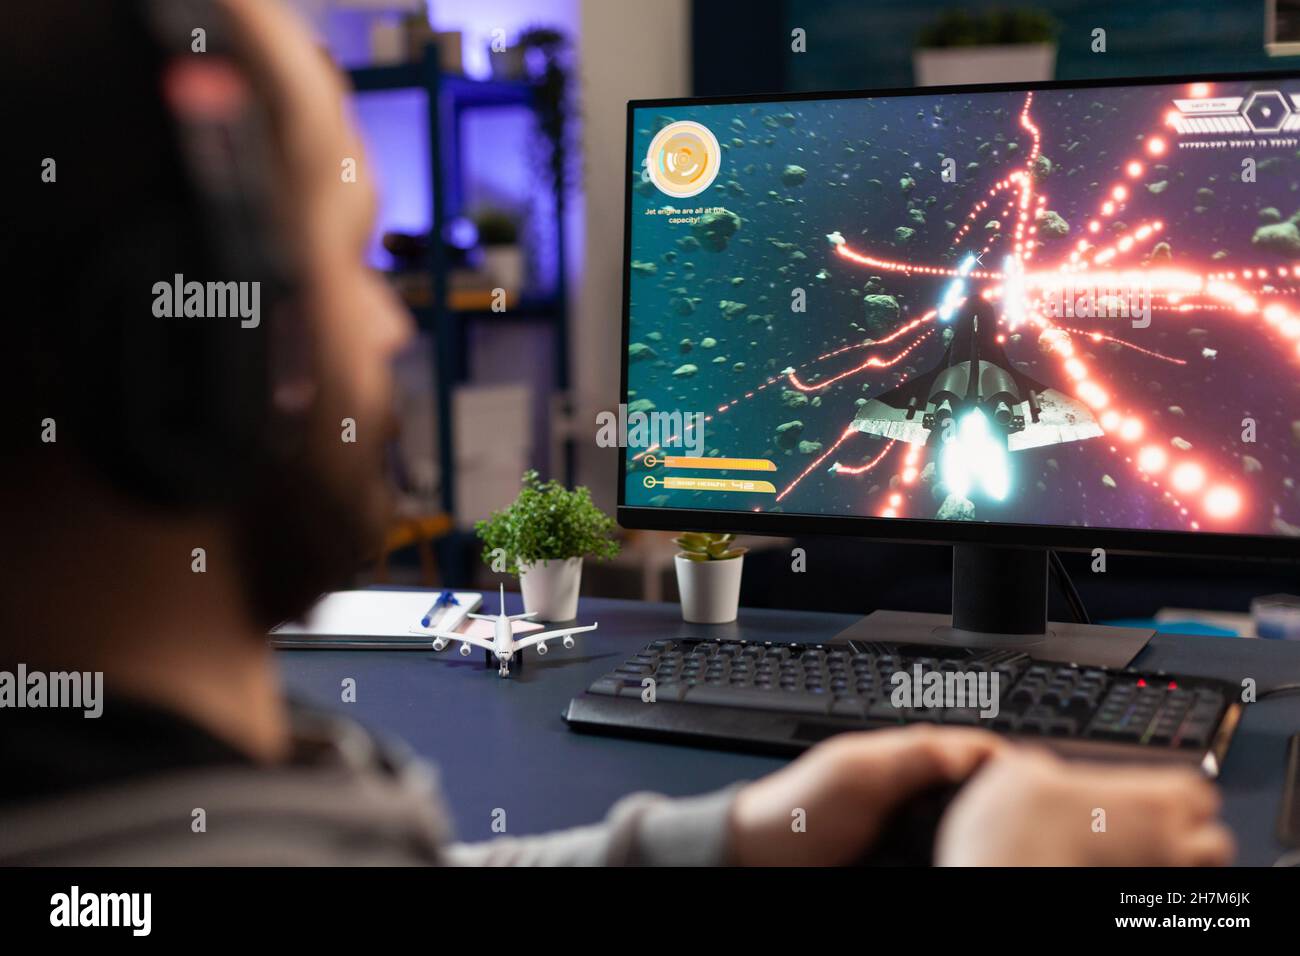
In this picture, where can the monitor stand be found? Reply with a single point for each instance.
(999, 601)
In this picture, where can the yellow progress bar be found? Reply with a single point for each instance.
(685, 483)
(715, 464)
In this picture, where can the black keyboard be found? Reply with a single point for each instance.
(786, 697)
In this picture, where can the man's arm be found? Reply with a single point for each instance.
(643, 829)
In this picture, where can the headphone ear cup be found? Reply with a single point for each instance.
(171, 407)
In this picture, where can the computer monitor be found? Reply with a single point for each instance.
(1008, 318)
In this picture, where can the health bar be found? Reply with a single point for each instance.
(719, 464)
(719, 484)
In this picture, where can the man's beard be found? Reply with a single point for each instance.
(313, 519)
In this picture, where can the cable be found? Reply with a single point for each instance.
(1279, 689)
(1068, 589)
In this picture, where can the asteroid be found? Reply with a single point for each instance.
(713, 229)
(1051, 225)
(956, 508)
(880, 314)
(1281, 237)
(787, 435)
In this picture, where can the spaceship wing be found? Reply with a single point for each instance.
(1060, 419)
(886, 415)
(877, 418)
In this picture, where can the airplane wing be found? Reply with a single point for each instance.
(449, 636)
(532, 639)
(1060, 419)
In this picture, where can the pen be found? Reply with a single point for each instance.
(445, 599)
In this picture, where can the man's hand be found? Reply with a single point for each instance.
(844, 789)
(1028, 808)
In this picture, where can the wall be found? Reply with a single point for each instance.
(628, 50)
(855, 44)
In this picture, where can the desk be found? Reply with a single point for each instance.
(502, 743)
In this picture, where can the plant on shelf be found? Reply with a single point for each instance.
(542, 537)
(709, 566)
(496, 227)
(960, 27)
(986, 46)
(498, 235)
(548, 61)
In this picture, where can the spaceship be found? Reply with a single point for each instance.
(974, 406)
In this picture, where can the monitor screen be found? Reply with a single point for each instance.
(1072, 306)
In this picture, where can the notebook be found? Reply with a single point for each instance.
(374, 619)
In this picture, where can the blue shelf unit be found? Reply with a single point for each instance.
(449, 97)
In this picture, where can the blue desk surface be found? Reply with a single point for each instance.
(502, 744)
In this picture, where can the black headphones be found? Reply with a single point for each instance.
(197, 404)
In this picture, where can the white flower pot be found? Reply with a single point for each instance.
(551, 588)
(957, 66)
(710, 590)
(504, 265)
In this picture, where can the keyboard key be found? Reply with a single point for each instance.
(849, 707)
(755, 699)
(606, 686)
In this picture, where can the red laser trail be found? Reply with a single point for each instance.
(1099, 337)
(847, 433)
(863, 469)
(873, 362)
(1248, 292)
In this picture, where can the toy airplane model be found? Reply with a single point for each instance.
(503, 644)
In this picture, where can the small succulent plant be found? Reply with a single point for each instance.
(704, 546)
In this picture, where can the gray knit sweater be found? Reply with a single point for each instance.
(342, 800)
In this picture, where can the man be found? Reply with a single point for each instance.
(100, 576)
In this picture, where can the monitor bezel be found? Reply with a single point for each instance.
(1199, 543)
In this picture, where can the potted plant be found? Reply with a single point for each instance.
(986, 46)
(503, 260)
(708, 577)
(543, 536)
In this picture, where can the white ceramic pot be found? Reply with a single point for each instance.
(551, 588)
(504, 265)
(1013, 63)
(710, 590)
